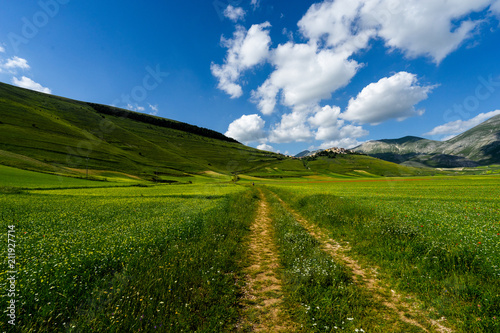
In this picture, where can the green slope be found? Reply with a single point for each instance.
(56, 135)
(53, 134)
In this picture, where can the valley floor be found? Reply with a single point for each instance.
(357, 256)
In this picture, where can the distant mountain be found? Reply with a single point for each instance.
(477, 146)
(303, 153)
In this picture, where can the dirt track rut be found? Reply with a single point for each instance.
(262, 301)
(367, 279)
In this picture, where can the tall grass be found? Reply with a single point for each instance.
(319, 291)
(423, 243)
(131, 264)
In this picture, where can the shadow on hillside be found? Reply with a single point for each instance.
(492, 151)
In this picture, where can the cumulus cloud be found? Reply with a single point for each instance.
(417, 27)
(25, 82)
(2, 49)
(327, 122)
(459, 126)
(265, 147)
(392, 97)
(326, 116)
(340, 132)
(293, 127)
(16, 62)
(245, 50)
(330, 128)
(337, 23)
(347, 143)
(305, 75)
(247, 128)
(425, 27)
(234, 14)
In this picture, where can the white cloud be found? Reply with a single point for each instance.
(136, 107)
(336, 22)
(347, 143)
(245, 50)
(255, 4)
(459, 126)
(28, 83)
(326, 116)
(449, 137)
(305, 75)
(340, 132)
(327, 122)
(495, 7)
(154, 109)
(330, 127)
(392, 97)
(2, 49)
(248, 128)
(265, 147)
(424, 27)
(234, 14)
(265, 97)
(16, 62)
(417, 27)
(293, 127)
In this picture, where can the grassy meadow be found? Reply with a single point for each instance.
(129, 256)
(437, 238)
(127, 259)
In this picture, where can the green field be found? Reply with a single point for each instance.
(129, 259)
(437, 238)
(115, 257)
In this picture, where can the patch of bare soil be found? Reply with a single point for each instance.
(263, 294)
(367, 278)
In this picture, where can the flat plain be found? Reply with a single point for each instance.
(359, 255)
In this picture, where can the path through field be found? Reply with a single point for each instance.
(397, 306)
(263, 292)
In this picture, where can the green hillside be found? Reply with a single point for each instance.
(51, 134)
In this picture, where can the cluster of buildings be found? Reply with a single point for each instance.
(325, 152)
(338, 150)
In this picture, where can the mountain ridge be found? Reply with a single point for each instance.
(477, 146)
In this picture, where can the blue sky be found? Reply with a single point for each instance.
(278, 75)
